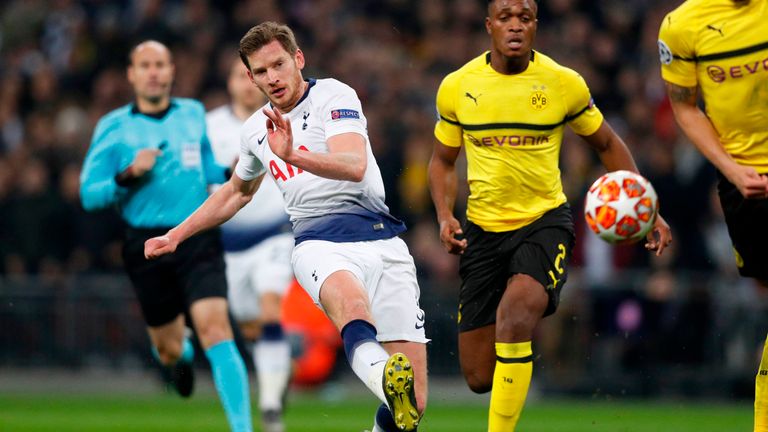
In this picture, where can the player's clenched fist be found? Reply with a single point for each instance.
(159, 246)
(449, 229)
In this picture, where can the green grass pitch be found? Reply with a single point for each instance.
(308, 413)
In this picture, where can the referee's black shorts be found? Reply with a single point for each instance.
(747, 221)
(541, 250)
(168, 285)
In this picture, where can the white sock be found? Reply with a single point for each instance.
(273, 370)
(368, 363)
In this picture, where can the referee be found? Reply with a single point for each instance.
(152, 160)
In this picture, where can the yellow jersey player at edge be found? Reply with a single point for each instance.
(718, 49)
(508, 107)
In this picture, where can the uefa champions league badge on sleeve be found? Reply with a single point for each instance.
(665, 54)
(339, 114)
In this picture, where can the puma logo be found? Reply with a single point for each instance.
(474, 98)
(713, 28)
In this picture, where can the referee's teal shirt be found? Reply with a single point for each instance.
(176, 185)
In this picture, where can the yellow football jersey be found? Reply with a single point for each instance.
(723, 49)
(511, 127)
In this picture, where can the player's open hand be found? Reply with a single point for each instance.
(449, 229)
(659, 237)
(159, 246)
(751, 184)
(279, 134)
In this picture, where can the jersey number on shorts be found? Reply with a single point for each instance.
(558, 266)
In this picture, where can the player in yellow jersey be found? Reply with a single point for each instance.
(508, 108)
(718, 50)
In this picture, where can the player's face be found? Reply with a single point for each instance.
(512, 26)
(278, 74)
(241, 89)
(151, 72)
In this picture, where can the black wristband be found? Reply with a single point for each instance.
(126, 178)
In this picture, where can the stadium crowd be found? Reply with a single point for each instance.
(63, 63)
(62, 66)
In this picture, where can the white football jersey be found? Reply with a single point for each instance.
(321, 208)
(265, 215)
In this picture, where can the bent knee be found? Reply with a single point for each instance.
(212, 334)
(516, 327)
(169, 352)
(479, 383)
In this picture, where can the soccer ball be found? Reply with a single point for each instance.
(621, 207)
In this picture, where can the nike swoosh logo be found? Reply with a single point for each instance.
(377, 362)
(419, 327)
(262, 139)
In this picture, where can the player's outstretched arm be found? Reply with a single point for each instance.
(442, 185)
(700, 131)
(615, 155)
(346, 159)
(217, 209)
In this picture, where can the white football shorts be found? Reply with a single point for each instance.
(263, 268)
(386, 270)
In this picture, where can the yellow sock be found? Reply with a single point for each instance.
(761, 393)
(514, 366)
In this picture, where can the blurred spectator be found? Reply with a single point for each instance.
(31, 218)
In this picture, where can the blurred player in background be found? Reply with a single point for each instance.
(152, 160)
(718, 49)
(258, 245)
(508, 108)
(348, 255)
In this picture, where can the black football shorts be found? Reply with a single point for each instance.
(167, 286)
(541, 250)
(747, 221)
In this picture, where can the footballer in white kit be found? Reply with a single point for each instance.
(257, 240)
(339, 225)
(319, 156)
(257, 244)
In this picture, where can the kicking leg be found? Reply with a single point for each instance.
(346, 303)
(403, 397)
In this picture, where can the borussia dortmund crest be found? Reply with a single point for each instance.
(539, 99)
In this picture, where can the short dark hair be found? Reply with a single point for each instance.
(534, 2)
(264, 33)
